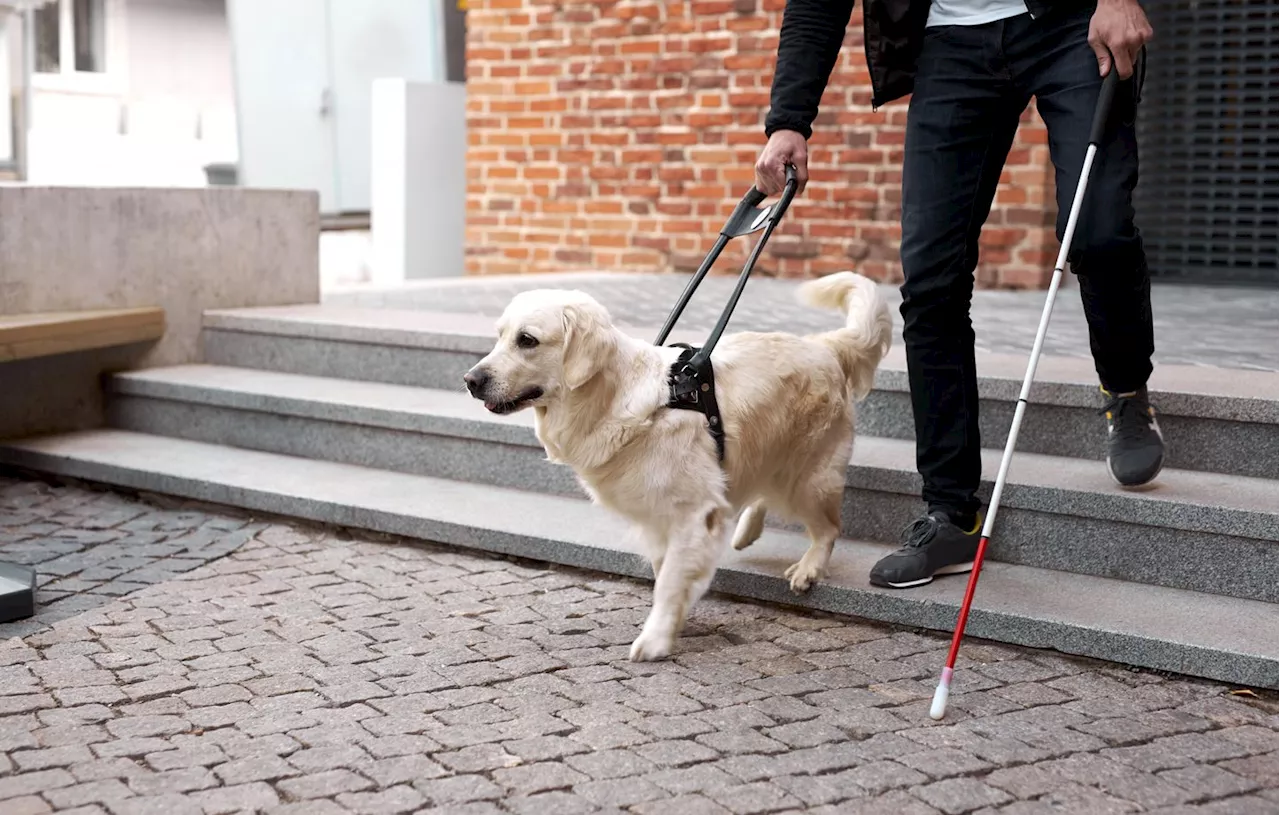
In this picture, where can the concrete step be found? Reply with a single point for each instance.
(1222, 638)
(1215, 420)
(1200, 531)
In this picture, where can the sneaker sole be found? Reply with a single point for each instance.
(955, 568)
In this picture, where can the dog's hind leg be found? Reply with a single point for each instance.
(693, 550)
(819, 510)
(750, 525)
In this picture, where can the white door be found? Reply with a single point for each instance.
(368, 41)
(284, 96)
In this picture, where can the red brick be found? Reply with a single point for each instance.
(611, 135)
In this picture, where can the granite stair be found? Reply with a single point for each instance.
(357, 417)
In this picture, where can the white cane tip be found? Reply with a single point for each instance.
(939, 707)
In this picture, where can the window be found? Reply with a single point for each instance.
(49, 39)
(71, 37)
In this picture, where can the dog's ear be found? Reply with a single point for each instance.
(588, 343)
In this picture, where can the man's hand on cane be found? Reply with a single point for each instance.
(1119, 29)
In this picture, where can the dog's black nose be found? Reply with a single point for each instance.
(476, 380)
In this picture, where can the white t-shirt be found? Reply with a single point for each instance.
(973, 12)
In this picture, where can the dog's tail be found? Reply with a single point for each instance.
(868, 329)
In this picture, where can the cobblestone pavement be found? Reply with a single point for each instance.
(308, 672)
(89, 547)
(1218, 327)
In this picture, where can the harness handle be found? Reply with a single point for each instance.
(747, 217)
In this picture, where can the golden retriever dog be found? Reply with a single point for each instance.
(600, 405)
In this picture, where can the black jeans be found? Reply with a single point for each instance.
(973, 83)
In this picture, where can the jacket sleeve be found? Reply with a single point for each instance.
(808, 45)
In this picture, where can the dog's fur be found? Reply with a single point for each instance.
(787, 402)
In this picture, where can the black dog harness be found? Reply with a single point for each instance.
(693, 387)
(693, 384)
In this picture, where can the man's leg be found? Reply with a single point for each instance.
(1106, 254)
(961, 122)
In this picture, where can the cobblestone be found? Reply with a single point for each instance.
(306, 671)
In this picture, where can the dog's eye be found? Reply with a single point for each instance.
(526, 341)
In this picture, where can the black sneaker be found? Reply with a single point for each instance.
(1135, 446)
(931, 545)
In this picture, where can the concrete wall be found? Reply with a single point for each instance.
(185, 250)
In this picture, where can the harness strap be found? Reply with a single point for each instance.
(693, 387)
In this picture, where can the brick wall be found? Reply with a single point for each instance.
(619, 135)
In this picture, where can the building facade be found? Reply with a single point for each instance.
(126, 92)
(619, 135)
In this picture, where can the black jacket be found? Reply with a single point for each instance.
(810, 39)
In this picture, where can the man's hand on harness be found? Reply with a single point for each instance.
(784, 147)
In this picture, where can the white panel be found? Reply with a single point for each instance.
(419, 180)
(374, 39)
(281, 67)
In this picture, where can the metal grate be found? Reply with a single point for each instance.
(1209, 137)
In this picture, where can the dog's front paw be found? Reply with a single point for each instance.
(649, 647)
(802, 576)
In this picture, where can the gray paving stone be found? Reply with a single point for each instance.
(171, 782)
(690, 804)
(51, 757)
(880, 776)
(167, 804)
(401, 769)
(619, 792)
(944, 762)
(1264, 770)
(324, 784)
(702, 778)
(252, 796)
(16, 786)
(610, 764)
(90, 792)
(534, 778)
(817, 790)
(26, 805)
(1207, 782)
(309, 808)
(385, 678)
(896, 802)
(458, 789)
(549, 803)
(758, 797)
(1253, 738)
(675, 753)
(327, 757)
(1119, 780)
(1243, 805)
(957, 795)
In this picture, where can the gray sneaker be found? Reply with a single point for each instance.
(931, 545)
(1135, 446)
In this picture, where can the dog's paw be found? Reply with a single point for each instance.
(650, 647)
(802, 576)
(742, 542)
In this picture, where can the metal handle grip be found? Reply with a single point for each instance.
(747, 217)
(1102, 112)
